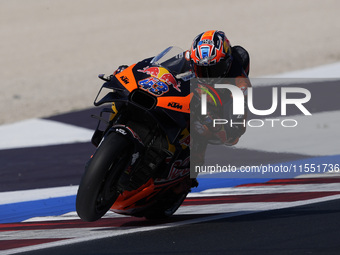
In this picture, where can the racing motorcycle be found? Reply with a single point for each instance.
(141, 166)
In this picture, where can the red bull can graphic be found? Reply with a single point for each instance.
(162, 75)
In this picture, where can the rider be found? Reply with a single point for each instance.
(212, 59)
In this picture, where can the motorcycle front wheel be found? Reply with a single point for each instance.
(98, 187)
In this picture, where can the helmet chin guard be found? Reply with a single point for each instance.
(210, 55)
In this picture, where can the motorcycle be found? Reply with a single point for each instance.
(141, 166)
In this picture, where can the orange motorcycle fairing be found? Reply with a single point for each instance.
(127, 78)
(133, 201)
(180, 104)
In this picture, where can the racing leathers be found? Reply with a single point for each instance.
(235, 125)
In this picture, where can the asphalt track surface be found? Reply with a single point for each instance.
(307, 229)
(310, 229)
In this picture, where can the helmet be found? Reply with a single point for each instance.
(210, 55)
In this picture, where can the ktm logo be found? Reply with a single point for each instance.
(124, 79)
(175, 105)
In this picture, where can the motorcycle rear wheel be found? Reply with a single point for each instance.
(98, 187)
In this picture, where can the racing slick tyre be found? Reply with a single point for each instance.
(98, 187)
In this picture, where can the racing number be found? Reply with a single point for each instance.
(154, 86)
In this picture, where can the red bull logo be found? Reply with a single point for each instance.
(163, 75)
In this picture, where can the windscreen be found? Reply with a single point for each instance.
(172, 58)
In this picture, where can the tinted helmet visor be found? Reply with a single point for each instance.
(218, 70)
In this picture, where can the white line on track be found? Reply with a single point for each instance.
(10, 197)
(39, 194)
(41, 132)
(233, 210)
